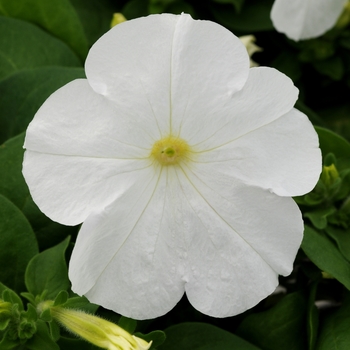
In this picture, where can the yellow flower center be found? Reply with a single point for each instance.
(170, 150)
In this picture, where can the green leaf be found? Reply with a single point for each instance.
(58, 17)
(61, 298)
(7, 344)
(18, 244)
(157, 338)
(325, 255)
(9, 295)
(312, 115)
(318, 217)
(13, 186)
(281, 327)
(22, 93)
(330, 142)
(48, 271)
(42, 339)
(80, 303)
(128, 324)
(95, 16)
(254, 16)
(55, 330)
(342, 238)
(202, 336)
(312, 317)
(25, 46)
(334, 334)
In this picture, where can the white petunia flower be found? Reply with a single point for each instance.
(180, 161)
(305, 19)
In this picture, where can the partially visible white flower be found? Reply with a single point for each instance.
(249, 43)
(305, 19)
(180, 161)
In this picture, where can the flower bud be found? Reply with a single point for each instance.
(249, 43)
(117, 19)
(344, 18)
(98, 331)
(329, 175)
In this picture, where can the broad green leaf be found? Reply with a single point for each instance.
(342, 238)
(95, 16)
(157, 338)
(32, 88)
(281, 327)
(13, 187)
(58, 17)
(12, 184)
(330, 142)
(202, 336)
(25, 46)
(334, 334)
(254, 16)
(48, 271)
(312, 317)
(81, 303)
(18, 245)
(318, 217)
(128, 324)
(61, 298)
(312, 115)
(326, 256)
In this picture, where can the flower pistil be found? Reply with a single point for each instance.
(170, 150)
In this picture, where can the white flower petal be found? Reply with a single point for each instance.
(247, 237)
(76, 121)
(166, 64)
(266, 96)
(69, 188)
(282, 156)
(209, 66)
(305, 19)
(139, 274)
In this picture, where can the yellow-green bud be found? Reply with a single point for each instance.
(344, 18)
(98, 331)
(249, 43)
(327, 275)
(329, 175)
(117, 19)
(5, 306)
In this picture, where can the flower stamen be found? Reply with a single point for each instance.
(170, 150)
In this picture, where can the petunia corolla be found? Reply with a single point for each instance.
(305, 19)
(180, 161)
